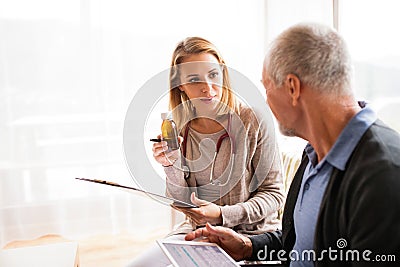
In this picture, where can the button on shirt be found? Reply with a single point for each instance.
(315, 181)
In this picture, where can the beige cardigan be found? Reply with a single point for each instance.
(254, 192)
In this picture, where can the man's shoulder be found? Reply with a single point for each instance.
(384, 131)
(377, 154)
(380, 142)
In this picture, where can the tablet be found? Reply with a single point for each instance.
(261, 263)
(195, 254)
(161, 198)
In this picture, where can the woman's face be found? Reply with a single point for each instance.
(201, 79)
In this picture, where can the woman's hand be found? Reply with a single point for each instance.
(237, 246)
(206, 212)
(160, 155)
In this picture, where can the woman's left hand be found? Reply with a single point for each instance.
(206, 212)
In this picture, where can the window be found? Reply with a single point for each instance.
(373, 39)
(281, 15)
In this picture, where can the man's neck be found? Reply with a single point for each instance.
(326, 122)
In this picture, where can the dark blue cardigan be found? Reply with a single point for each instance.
(361, 205)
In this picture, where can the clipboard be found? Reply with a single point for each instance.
(171, 201)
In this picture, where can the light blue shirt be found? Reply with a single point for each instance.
(315, 180)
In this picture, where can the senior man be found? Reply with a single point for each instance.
(343, 206)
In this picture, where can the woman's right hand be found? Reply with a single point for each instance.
(166, 158)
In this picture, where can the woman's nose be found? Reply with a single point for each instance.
(207, 87)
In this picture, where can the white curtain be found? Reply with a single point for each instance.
(68, 71)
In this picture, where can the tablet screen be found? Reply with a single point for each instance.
(188, 254)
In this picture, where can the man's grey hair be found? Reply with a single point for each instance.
(316, 54)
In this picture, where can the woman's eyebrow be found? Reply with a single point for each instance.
(192, 75)
(196, 75)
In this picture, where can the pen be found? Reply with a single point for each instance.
(155, 140)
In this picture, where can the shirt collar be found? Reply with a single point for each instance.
(348, 139)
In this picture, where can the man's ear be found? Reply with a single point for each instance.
(293, 84)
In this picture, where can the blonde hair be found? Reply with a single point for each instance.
(182, 110)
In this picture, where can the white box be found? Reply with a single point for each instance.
(56, 254)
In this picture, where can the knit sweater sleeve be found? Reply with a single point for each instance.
(176, 185)
(266, 187)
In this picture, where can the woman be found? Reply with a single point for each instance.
(228, 164)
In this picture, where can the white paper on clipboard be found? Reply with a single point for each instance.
(171, 201)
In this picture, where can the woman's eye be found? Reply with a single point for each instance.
(213, 75)
(194, 80)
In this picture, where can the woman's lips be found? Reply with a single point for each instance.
(207, 100)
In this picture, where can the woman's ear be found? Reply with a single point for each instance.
(181, 88)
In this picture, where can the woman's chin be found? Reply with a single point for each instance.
(207, 110)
